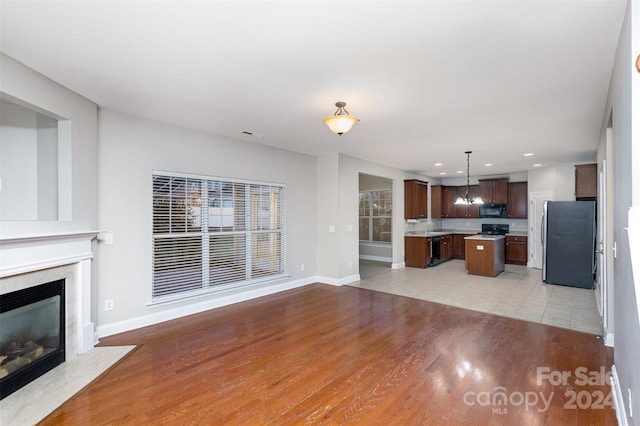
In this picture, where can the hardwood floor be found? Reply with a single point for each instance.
(341, 355)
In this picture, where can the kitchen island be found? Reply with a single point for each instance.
(484, 254)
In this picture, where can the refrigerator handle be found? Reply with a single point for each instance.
(542, 239)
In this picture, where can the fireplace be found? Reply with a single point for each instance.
(32, 334)
(62, 261)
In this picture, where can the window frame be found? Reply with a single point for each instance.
(252, 204)
(371, 216)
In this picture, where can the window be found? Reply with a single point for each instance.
(210, 234)
(375, 216)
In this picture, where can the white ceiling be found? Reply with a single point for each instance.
(429, 80)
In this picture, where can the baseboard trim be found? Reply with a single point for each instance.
(375, 258)
(618, 401)
(608, 339)
(194, 308)
(339, 281)
(398, 265)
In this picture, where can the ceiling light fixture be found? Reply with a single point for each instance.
(341, 121)
(466, 199)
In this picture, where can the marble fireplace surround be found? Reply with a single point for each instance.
(27, 261)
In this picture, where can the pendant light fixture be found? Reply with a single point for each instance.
(466, 199)
(341, 121)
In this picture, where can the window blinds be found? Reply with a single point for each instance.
(210, 233)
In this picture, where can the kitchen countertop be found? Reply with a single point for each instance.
(457, 231)
(425, 234)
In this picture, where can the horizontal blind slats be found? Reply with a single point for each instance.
(240, 226)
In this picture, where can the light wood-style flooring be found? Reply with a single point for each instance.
(341, 355)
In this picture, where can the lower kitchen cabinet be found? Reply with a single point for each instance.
(446, 248)
(458, 245)
(516, 250)
(484, 255)
(417, 251)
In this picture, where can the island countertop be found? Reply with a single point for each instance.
(485, 237)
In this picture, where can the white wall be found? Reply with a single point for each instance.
(626, 182)
(327, 225)
(18, 163)
(473, 180)
(560, 180)
(130, 149)
(78, 169)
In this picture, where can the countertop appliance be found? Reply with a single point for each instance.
(492, 210)
(569, 243)
(494, 229)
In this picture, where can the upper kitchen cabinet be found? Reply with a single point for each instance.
(517, 206)
(586, 181)
(436, 202)
(415, 199)
(449, 195)
(494, 191)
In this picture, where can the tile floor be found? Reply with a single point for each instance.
(518, 292)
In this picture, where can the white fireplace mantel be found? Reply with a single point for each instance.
(24, 259)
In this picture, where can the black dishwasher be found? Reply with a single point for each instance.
(435, 251)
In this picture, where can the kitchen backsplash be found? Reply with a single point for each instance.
(515, 225)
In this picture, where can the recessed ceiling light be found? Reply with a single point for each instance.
(488, 165)
(460, 171)
(443, 173)
(528, 154)
(537, 165)
(438, 164)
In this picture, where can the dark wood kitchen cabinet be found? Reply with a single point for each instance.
(449, 195)
(586, 181)
(436, 201)
(516, 250)
(415, 199)
(458, 245)
(446, 247)
(417, 251)
(494, 191)
(517, 206)
(464, 210)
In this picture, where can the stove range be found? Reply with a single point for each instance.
(494, 229)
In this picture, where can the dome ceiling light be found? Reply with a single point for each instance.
(341, 121)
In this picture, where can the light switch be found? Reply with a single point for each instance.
(332, 228)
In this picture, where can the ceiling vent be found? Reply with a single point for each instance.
(250, 133)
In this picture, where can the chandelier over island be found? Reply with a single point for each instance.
(466, 199)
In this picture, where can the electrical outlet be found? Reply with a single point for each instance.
(108, 305)
(302, 267)
(350, 265)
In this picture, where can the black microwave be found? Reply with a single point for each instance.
(493, 210)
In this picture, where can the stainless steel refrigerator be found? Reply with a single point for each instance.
(569, 243)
